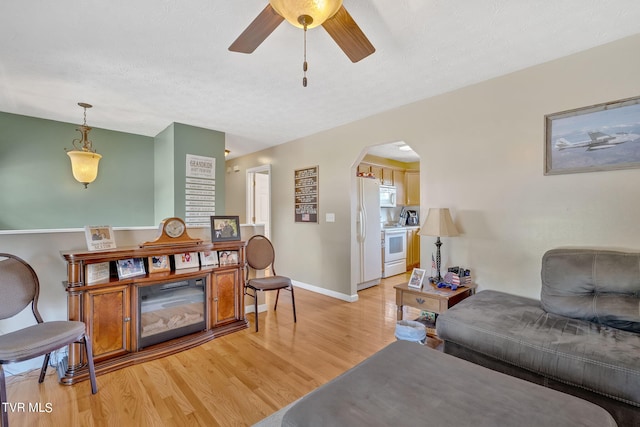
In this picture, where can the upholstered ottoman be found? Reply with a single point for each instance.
(407, 384)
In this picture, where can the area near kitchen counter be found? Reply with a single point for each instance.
(405, 177)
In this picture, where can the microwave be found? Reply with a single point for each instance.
(387, 196)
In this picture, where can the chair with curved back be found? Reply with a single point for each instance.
(260, 256)
(19, 287)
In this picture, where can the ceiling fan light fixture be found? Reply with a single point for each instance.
(318, 10)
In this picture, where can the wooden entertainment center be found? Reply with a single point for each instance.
(111, 308)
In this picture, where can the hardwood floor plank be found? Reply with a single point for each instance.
(234, 380)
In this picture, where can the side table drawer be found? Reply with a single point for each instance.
(419, 301)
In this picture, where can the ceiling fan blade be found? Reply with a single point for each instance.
(264, 24)
(346, 33)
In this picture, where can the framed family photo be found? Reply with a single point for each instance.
(99, 237)
(596, 138)
(159, 263)
(225, 228)
(228, 257)
(130, 267)
(417, 276)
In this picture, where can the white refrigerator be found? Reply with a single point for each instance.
(368, 236)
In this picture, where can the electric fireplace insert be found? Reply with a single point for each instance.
(170, 310)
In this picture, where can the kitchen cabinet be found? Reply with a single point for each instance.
(377, 172)
(398, 182)
(413, 248)
(364, 169)
(407, 182)
(387, 176)
(412, 188)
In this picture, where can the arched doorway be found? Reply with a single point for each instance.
(397, 166)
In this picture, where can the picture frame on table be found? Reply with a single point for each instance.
(417, 276)
(209, 258)
(99, 237)
(98, 273)
(186, 260)
(225, 228)
(228, 257)
(159, 263)
(130, 267)
(597, 138)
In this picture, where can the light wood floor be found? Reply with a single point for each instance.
(234, 380)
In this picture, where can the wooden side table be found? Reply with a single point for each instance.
(430, 298)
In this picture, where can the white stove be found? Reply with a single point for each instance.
(394, 253)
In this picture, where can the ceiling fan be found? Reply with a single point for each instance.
(307, 14)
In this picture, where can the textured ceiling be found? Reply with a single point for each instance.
(147, 63)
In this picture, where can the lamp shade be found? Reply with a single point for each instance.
(438, 223)
(318, 10)
(84, 165)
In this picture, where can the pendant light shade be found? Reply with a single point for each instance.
(84, 159)
(84, 165)
(318, 10)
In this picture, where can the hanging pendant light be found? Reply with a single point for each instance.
(84, 159)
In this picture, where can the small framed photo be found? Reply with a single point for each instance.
(209, 258)
(186, 260)
(225, 228)
(417, 275)
(228, 257)
(99, 237)
(97, 273)
(159, 263)
(130, 267)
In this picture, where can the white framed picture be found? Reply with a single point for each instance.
(209, 258)
(186, 260)
(130, 267)
(417, 275)
(99, 237)
(97, 273)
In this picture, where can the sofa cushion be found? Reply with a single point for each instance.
(518, 331)
(406, 384)
(593, 285)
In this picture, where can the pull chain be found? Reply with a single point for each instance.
(304, 64)
(305, 21)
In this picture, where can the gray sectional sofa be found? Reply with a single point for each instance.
(582, 337)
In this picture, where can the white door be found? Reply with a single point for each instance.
(262, 203)
(259, 197)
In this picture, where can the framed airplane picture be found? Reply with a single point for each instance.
(597, 138)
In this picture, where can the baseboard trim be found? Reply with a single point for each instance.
(249, 308)
(327, 292)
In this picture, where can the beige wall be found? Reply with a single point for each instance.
(482, 156)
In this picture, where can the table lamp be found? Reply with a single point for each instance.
(438, 223)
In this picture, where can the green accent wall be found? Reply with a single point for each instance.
(163, 175)
(37, 188)
(172, 146)
(141, 179)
